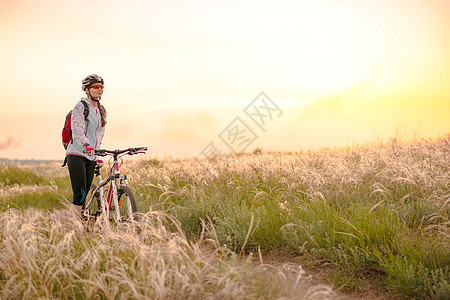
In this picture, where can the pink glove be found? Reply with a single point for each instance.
(88, 149)
(100, 163)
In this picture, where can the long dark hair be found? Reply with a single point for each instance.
(102, 113)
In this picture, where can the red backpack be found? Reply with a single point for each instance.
(67, 130)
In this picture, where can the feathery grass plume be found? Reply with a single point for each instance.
(370, 212)
(51, 255)
(358, 209)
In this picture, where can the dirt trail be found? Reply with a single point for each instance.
(317, 278)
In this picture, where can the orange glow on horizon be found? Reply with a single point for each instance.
(178, 72)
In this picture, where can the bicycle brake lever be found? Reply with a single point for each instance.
(100, 153)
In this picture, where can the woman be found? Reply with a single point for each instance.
(87, 135)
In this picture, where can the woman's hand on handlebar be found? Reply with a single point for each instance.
(89, 150)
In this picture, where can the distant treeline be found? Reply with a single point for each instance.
(9, 162)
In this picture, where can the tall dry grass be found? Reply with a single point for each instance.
(39, 186)
(51, 255)
(374, 211)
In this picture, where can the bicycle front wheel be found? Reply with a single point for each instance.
(127, 203)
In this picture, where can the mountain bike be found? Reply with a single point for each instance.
(119, 204)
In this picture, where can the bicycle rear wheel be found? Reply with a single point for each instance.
(127, 203)
(93, 208)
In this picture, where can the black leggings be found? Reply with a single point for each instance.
(81, 172)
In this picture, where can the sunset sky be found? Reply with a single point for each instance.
(178, 73)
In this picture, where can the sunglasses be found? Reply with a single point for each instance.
(96, 87)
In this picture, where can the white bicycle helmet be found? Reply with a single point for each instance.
(90, 80)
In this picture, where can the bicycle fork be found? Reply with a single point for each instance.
(113, 193)
(112, 199)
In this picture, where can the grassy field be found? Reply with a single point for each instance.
(376, 213)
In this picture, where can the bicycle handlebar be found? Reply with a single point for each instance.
(129, 151)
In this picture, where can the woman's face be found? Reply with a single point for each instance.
(96, 90)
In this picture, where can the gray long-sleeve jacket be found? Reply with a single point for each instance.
(92, 135)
